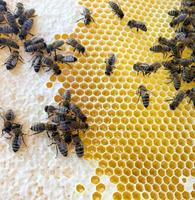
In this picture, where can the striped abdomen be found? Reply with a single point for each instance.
(16, 143)
(145, 99)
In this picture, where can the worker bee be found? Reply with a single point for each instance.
(19, 10)
(37, 61)
(66, 98)
(186, 74)
(9, 115)
(76, 45)
(60, 144)
(116, 9)
(86, 17)
(79, 148)
(175, 78)
(50, 110)
(13, 60)
(9, 43)
(137, 24)
(164, 41)
(177, 100)
(144, 94)
(145, 68)
(10, 18)
(161, 49)
(67, 136)
(25, 29)
(47, 61)
(54, 46)
(184, 61)
(110, 62)
(34, 40)
(181, 33)
(180, 18)
(35, 47)
(171, 66)
(41, 127)
(174, 13)
(6, 30)
(26, 15)
(17, 137)
(78, 112)
(191, 94)
(187, 3)
(65, 58)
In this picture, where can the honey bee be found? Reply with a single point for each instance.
(41, 127)
(161, 49)
(26, 15)
(144, 94)
(67, 136)
(35, 47)
(54, 46)
(175, 78)
(177, 20)
(50, 110)
(78, 112)
(6, 30)
(171, 66)
(191, 94)
(13, 60)
(34, 40)
(19, 10)
(116, 9)
(9, 115)
(76, 45)
(25, 29)
(168, 42)
(181, 33)
(187, 3)
(10, 18)
(137, 24)
(47, 61)
(65, 58)
(184, 62)
(37, 61)
(174, 13)
(145, 68)
(186, 74)
(60, 144)
(56, 69)
(66, 98)
(177, 100)
(79, 148)
(86, 17)
(8, 43)
(17, 137)
(110, 62)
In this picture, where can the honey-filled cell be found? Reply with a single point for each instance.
(143, 151)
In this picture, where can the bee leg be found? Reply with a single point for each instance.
(56, 151)
(23, 140)
(68, 64)
(92, 19)
(138, 98)
(51, 144)
(169, 100)
(48, 135)
(31, 34)
(80, 19)
(137, 29)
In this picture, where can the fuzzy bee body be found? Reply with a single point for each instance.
(65, 58)
(12, 60)
(17, 137)
(137, 24)
(186, 74)
(40, 127)
(9, 115)
(171, 66)
(19, 10)
(78, 112)
(25, 29)
(67, 136)
(35, 47)
(26, 15)
(174, 13)
(177, 100)
(144, 94)
(47, 61)
(116, 9)
(9, 43)
(191, 95)
(86, 16)
(33, 41)
(54, 46)
(175, 78)
(180, 18)
(76, 45)
(56, 69)
(50, 110)
(37, 61)
(110, 64)
(66, 98)
(160, 49)
(6, 30)
(79, 148)
(61, 145)
(12, 22)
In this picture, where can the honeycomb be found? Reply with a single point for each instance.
(147, 153)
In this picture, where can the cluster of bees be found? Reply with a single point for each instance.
(179, 68)
(64, 124)
(12, 130)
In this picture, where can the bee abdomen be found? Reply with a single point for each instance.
(145, 100)
(38, 127)
(177, 83)
(79, 149)
(62, 146)
(15, 144)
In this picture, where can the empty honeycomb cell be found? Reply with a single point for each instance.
(96, 196)
(117, 196)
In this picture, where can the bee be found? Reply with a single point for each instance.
(67, 136)
(9, 115)
(78, 112)
(35, 47)
(17, 137)
(184, 62)
(145, 68)
(161, 49)
(137, 24)
(76, 45)
(56, 69)
(10, 18)
(110, 62)
(116, 9)
(175, 78)
(60, 144)
(174, 13)
(79, 148)
(47, 61)
(187, 3)
(181, 33)
(144, 94)
(177, 20)
(9, 43)
(13, 60)
(186, 74)
(171, 66)
(54, 46)
(86, 17)
(37, 61)
(177, 100)
(50, 110)
(65, 58)
(6, 30)
(41, 127)
(19, 10)
(25, 29)
(164, 41)
(26, 15)
(191, 94)
(66, 98)
(34, 40)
